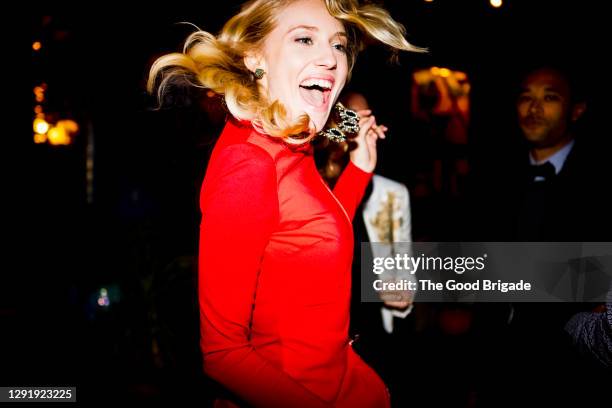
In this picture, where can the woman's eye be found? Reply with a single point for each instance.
(304, 40)
(340, 47)
(551, 98)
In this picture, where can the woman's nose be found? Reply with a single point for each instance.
(326, 57)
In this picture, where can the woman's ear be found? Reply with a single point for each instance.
(253, 61)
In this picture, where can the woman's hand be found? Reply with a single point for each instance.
(364, 155)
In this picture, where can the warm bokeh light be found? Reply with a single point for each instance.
(444, 72)
(437, 71)
(69, 125)
(40, 138)
(443, 92)
(496, 3)
(36, 45)
(38, 109)
(459, 76)
(58, 136)
(60, 133)
(39, 92)
(40, 126)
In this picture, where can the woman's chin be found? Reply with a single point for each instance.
(318, 123)
(317, 120)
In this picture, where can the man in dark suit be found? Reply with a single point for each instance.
(552, 192)
(561, 198)
(555, 190)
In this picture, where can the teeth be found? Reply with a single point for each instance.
(322, 83)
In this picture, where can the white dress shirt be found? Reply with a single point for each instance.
(557, 159)
(388, 223)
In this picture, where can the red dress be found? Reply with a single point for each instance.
(275, 257)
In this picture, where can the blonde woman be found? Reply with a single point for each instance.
(276, 244)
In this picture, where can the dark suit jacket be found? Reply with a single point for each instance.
(573, 206)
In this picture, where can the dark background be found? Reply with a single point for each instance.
(138, 237)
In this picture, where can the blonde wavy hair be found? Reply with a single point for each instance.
(217, 63)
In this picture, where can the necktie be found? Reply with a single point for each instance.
(542, 172)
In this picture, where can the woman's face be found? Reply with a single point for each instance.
(305, 61)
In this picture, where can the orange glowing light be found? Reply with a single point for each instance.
(36, 45)
(39, 91)
(40, 138)
(58, 136)
(444, 72)
(40, 126)
(70, 126)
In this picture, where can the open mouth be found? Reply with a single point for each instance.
(316, 92)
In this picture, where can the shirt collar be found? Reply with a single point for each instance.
(557, 159)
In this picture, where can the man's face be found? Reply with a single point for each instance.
(544, 107)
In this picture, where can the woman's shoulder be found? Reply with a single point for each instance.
(241, 136)
(238, 171)
(240, 149)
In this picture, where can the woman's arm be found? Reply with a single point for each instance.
(350, 187)
(239, 204)
(354, 179)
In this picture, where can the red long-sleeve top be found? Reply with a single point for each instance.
(275, 257)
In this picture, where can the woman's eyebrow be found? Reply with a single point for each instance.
(306, 27)
(313, 28)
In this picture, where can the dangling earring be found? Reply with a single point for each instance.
(348, 123)
(259, 73)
